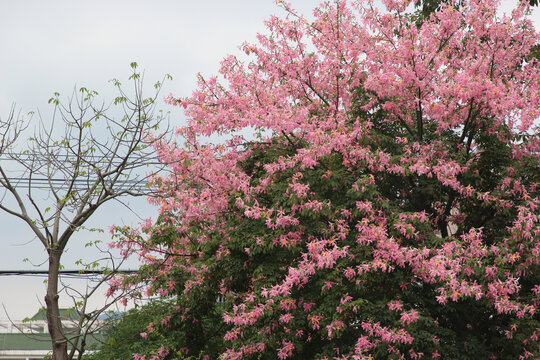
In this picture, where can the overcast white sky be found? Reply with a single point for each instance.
(49, 46)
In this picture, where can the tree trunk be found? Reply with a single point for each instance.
(54, 322)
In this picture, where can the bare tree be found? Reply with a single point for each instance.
(102, 154)
(86, 322)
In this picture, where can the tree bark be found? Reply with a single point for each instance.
(54, 321)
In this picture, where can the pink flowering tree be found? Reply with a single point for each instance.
(372, 192)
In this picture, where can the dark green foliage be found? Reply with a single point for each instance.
(122, 336)
(427, 7)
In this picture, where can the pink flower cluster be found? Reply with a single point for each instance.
(460, 72)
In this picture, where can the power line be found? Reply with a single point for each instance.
(105, 158)
(67, 273)
(48, 183)
(85, 181)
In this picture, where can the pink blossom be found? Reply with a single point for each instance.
(409, 317)
(294, 135)
(285, 351)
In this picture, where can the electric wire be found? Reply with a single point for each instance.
(43, 183)
(64, 273)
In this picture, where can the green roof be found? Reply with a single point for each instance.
(18, 341)
(40, 341)
(65, 314)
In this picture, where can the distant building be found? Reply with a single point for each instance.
(29, 339)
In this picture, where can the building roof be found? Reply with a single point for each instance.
(41, 341)
(30, 336)
(18, 341)
(65, 314)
